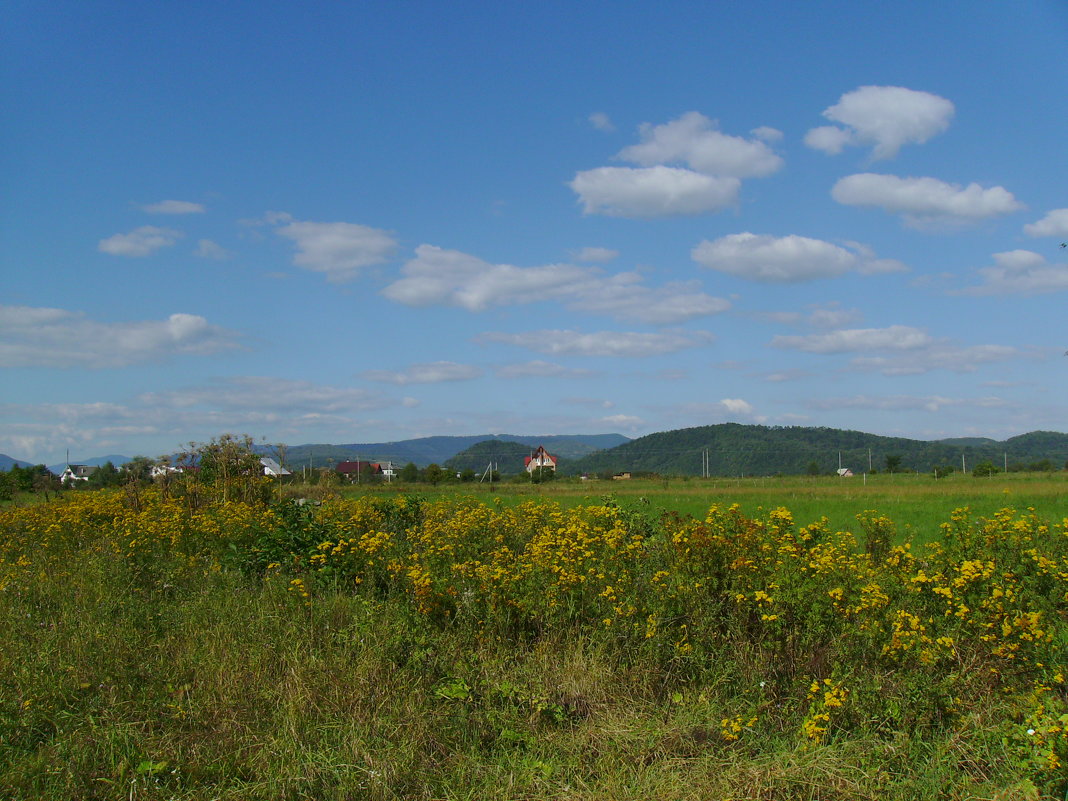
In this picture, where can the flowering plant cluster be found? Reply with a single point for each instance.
(842, 631)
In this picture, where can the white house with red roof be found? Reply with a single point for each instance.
(540, 458)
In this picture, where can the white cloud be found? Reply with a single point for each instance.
(139, 242)
(896, 337)
(602, 343)
(938, 356)
(833, 317)
(928, 403)
(785, 259)
(737, 406)
(207, 249)
(173, 207)
(266, 394)
(829, 139)
(652, 192)
(625, 422)
(1053, 224)
(693, 139)
(447, 277)
(672, 303)
(601, 121)
(598, 255)
(541, 369)
(925, 201)
(767, 134)
(886, 117)
(40, 337)
(898, 350)
(1020, 272)
(429, 373)
(339, 250)
(284, 408)
(597, 403)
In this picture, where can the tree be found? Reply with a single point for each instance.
(7, 487)
(433, 474)
(541, 474)
(409, 473)
(813, 468)
(943, 470)
(107, 475)
(893, 462)
(984, 469)
(138, 469)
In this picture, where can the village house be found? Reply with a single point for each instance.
(77, 472)
(358, 470)
(272, 468)
(541, 458)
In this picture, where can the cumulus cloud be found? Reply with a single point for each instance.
(437, 276)
(622, 298)
(895, 337)
(541, 369)
(924, 202)
(207, 249)
(1053, 224)
(447, 277)
(173, 207)
(602, 343)
(694, 140)
(686, 166)
(898, 350)
(939, 356)
(428, 373)
(652, 191)
(786, 259)
(43, 337)
(884, 117)
(140, 242)
(829, 139)
(266, 394)
(767, 134)
(737, 406)
(927, 403)
(339, 250)
(1020, 272)
(599, 255)
(601, 121)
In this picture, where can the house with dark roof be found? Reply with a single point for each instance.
(358, 470)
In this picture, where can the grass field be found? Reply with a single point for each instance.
(917, 503)
(556, 641)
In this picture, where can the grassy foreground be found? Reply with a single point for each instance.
(393, 647)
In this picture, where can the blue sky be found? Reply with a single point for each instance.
(367, 222)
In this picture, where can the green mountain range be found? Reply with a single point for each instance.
(732, 449)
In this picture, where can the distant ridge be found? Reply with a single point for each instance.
(438, 450)
(7, 462)
(732, 449)
(725, 449)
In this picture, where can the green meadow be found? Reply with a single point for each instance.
(591, 641)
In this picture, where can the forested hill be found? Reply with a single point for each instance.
(733, 449)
